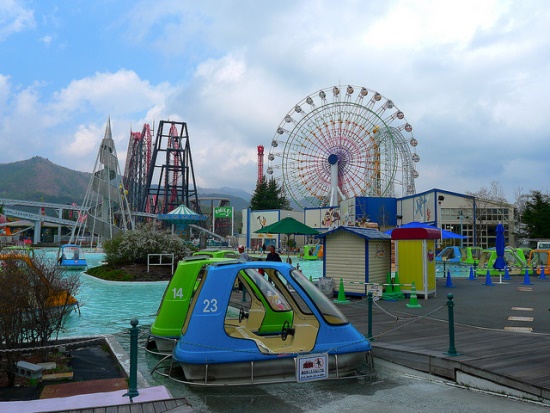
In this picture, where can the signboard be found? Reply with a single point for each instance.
(312, 367)
(223, 212)
(376, 291)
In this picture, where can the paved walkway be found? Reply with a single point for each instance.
(152, 399)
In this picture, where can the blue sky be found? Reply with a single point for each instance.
(471, 77)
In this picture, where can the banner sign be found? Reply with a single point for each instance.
(223, 212)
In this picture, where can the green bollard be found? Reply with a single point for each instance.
(369, 303)
(132, 384)
(452, 349)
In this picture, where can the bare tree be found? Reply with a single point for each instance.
(486, 200)
(35, 298)
(520, 201)
(14, 287)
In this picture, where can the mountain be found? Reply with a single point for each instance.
(236, 202)
(39, 179)
(235, 192)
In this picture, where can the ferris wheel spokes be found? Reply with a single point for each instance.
(341, 146)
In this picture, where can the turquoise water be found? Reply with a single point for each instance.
(107, 307)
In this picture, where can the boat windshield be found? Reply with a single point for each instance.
(275, 299)
(328, 310)
(447, 254)
(71, 253)
(476, 253)
(538, 258)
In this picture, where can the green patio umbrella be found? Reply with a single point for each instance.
(288, 226)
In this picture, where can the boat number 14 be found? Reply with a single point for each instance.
(178, 293)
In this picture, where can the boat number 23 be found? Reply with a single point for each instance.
(210, 306)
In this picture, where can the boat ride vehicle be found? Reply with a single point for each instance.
(312, 252)
(260, 322)
(539, 259)
(459, 255)
(218, 254)
(71, 258)
(166, 329)
(514, 263)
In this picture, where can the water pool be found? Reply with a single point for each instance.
(107, 307)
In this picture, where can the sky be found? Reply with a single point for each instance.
(472, 78)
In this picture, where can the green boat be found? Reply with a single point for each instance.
(312, 252)
(514, 263)
(218, 254)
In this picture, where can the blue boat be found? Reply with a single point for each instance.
(224, 341)
(71, 258)
(459, 255)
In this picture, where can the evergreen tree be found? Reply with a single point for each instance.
(276, 193)
(536, 215)
(268, 195)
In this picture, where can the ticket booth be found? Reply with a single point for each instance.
(415, 258)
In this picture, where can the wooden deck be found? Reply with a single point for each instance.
(487, 351)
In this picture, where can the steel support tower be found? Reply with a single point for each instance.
(171, 179)
(260, 163)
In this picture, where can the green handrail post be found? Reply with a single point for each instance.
(369, 303)
(132, 384)
(452, 349)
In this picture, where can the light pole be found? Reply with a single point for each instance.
(461, 217)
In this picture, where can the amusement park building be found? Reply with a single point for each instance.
(463, 214)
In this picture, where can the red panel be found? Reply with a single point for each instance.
(415, 233)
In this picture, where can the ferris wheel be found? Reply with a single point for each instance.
(343, 142)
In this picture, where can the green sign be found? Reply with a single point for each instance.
(223, 212)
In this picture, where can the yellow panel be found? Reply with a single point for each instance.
(409, 260)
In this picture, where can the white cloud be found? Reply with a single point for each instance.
(422, 25)
(14, 18)
(469, 76)
(85, 140)
(47, 40)
(117, 93)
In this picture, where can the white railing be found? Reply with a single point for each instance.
(160, 260)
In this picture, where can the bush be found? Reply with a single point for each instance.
(132, 247)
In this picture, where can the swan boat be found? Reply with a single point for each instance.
(260, 322)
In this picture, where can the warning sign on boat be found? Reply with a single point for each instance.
(312, 367)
